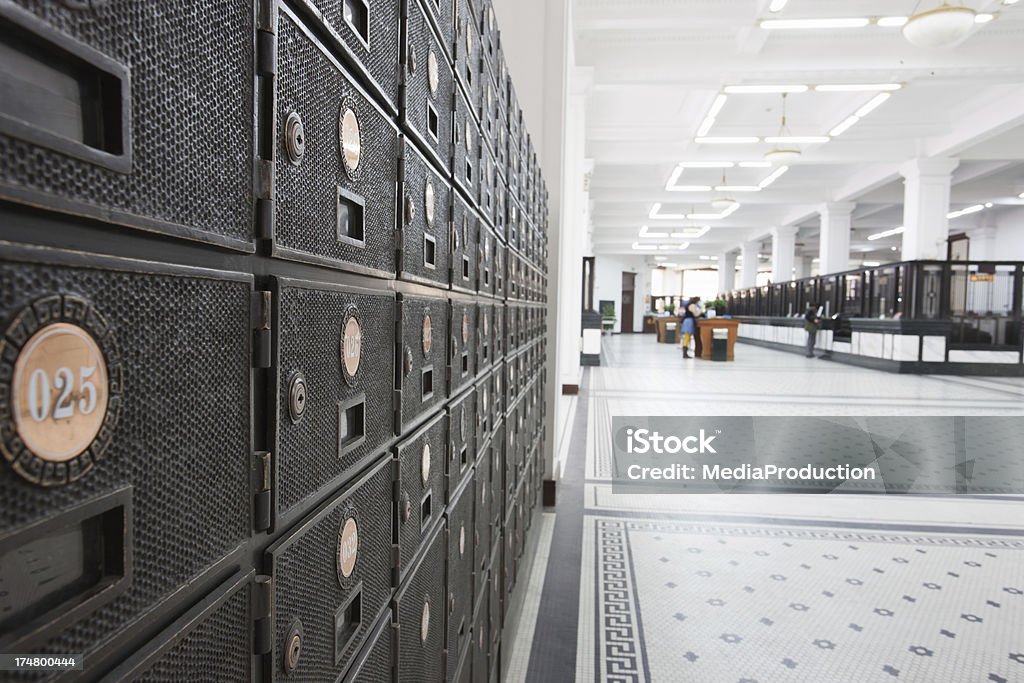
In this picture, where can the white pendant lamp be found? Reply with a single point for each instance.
(782, 155)
(944, 26)
(722, 203)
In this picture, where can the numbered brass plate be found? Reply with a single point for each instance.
(349, 137)
(351, 345)
(427, 334)
(425, 463)
(60, 389)
(433, 77)
(348, 547)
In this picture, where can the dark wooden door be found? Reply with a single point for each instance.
(628, 293)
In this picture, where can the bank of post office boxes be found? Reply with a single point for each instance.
(484, 337)
(486, 188)
(425, 222)
(331, 163)
(421, 487)
(482, 518)
(422, 356)
(330, 580)
(498, 392)
(459, 605)
(366, 34)
(513, 227)
(466, 260)
(129, 150)
(420, 606)
(481, 647)
(442, 16)
(486, 268)
(333, 382)
(496, 454)
(462, 437)
(462, 343)
(89, 390)
(428, 81)
(499, 274)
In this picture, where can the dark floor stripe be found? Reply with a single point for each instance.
(553, 654)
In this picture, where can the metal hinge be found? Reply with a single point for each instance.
(261, 323)
(262, 468)
(262, 598)
(266, 53)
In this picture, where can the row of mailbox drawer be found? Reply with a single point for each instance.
(326, 154)
(151, 366)
(323, 612)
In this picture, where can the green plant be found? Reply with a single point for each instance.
(608, 310)
(670, 308)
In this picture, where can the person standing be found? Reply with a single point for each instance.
(690, 315)
(811, 323)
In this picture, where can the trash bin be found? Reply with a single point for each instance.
(670, 333)
(720, 345)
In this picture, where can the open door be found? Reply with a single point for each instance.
(628, 295)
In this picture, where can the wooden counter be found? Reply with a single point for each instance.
(705, 327)
(661, 322)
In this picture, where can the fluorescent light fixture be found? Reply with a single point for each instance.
(870, 264)
(717, 105)
(886, 233)
(737, 188)
(775, 175)
(755, 164)
(846, 22)
(891, 22)
(689, 188)
(706, 216)
(657, 215)
(706, 164)
(730, 210)
(759, 89)
(777, 5)
(983, 18)
(644, 232)
(691, 233)
(857, 87)
(1010, 2)
(644, 247)
(873, 104)
(738, 140)
(844, 126)
(965, 212)
(705, 126)
(989, 205)
(661, 258)
(1021, 195)
(798, 139)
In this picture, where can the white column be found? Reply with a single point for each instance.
(803, 267)
(748, 269)
(983, 243)
(783, 252)
(834, 250)
(925, 205)
(726, 272)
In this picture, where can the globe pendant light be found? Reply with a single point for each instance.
(942, 27)
(782, 155)
(722, 203)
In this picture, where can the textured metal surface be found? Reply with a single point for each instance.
(426, 96)
(315, 452)
(467, 52)
(497, 393)
(466, 148)
(481, 648)
(307, 201)
(209, 643)
(420, 503)
(336, 612)
(484, 351)
(487, 243)
(486, 193)
(459, 608)
(421, 355)
(466, 253)
(462, 437)
(421, 655)
(495, 600)
(499, 476)
(462, 343)
(376, 663)
(498, 334)
(483, 497)
(161, 446)
(369, 43)
(425, 229)
(190, 174)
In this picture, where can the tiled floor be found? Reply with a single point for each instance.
(712, 588)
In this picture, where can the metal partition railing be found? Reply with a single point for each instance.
(982, 299)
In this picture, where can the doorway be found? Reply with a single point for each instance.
(628, 294)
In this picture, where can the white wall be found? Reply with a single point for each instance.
(608, 271)
(1009, 235)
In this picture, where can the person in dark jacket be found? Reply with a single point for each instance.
(811, 324)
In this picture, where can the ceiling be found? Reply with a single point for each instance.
(654, 70)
